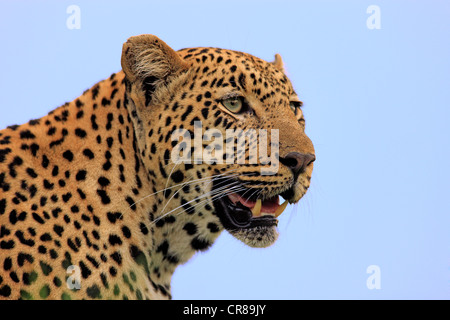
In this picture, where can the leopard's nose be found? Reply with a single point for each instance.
(297, 161)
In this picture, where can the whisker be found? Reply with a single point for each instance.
(219, 190)
(214, 197)
(217, 193)
(193, 181)
(170, 174)
(162, 211)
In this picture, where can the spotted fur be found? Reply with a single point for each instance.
(91, 184)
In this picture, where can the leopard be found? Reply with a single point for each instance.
(93, 201)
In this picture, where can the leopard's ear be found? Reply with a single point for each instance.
(150, 61)
(278, 63)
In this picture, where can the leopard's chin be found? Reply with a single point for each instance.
(256, 237)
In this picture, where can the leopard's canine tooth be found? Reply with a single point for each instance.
(281, 208)
(256, 211)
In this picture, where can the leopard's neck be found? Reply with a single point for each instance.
(92, 143)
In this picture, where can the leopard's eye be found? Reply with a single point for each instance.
(234, 104)
(295, 106)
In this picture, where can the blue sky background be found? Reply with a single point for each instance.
(377, 109)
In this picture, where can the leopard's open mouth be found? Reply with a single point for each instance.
(238, 210)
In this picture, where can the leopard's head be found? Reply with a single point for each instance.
(222, 133)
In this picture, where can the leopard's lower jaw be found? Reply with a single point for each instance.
(243, 219)
(257, 237)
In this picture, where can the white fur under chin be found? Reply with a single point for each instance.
(258, 237)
